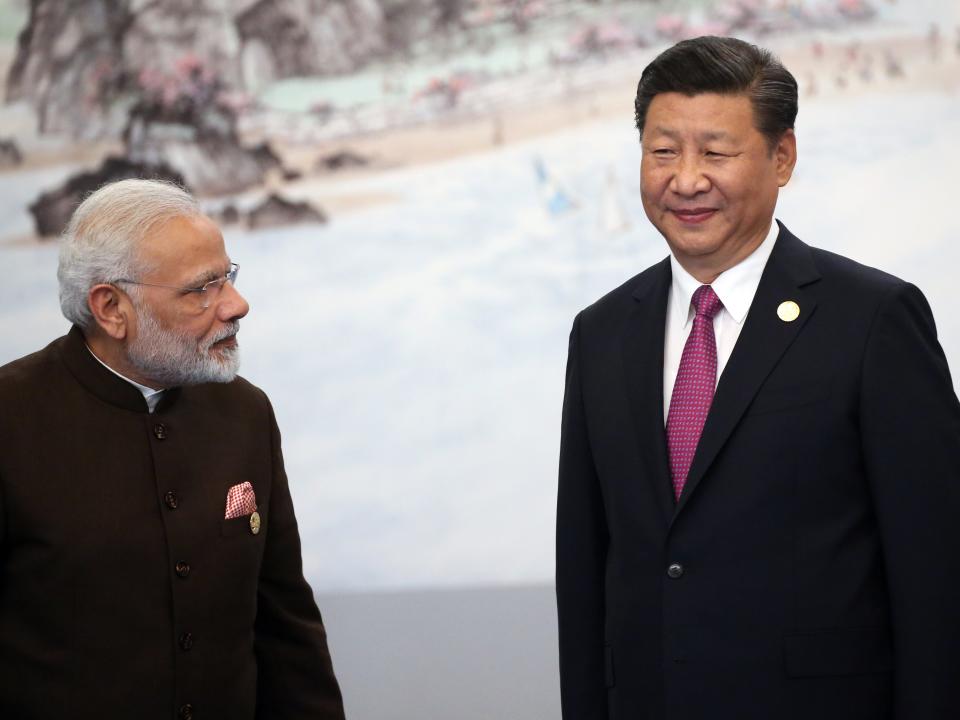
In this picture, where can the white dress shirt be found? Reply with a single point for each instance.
(735, 288)
(149, 394)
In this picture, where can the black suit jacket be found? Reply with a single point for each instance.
(817, 532)
(124, 593)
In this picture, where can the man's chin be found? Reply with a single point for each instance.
(228, 362)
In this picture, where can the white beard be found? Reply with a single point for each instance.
(173, 358)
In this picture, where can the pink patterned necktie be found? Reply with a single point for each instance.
(693, 390)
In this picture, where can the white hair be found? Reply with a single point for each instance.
(102, 241)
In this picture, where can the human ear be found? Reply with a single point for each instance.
(111, 309)
(785, 155)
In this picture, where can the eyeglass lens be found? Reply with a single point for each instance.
(211, 290)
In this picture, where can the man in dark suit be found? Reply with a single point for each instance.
(759, 482)
(149, 556)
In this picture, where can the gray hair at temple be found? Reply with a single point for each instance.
(102, 240)
(727, 66)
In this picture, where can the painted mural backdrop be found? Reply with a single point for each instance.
(422, 193)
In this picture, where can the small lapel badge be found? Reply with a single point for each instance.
(255, 522)
(788, 311)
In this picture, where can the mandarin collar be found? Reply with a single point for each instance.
(101, 382)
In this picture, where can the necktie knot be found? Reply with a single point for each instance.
(706, 302)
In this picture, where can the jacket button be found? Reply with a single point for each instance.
(675, 571)
(186, 641)
(183, 569)
(160, 431)
(171, 500)
(186, 712)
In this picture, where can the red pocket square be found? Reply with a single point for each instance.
(241, 501)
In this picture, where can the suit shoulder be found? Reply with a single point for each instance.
(244, 387)
(238, 394)
(19, 375)
(855, 276)
(621, 298)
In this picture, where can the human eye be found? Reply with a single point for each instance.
(216, 283)
(201, 285)
(663, 152)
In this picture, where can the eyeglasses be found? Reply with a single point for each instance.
(206, 294)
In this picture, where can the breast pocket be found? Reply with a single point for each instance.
(247, 507)
(783, 398)
(243, 525)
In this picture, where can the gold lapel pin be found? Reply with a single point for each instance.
(788, 311)
(255, 522)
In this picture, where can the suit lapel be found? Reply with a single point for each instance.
(789, 275)
(643, 339)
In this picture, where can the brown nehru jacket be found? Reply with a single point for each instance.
(124, 593)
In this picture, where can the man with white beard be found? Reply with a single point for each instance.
(150, 561)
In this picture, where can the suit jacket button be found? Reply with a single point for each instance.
(160, 431)
(675, 571)
(186, 712)
(171, 500)
(186, 641)
(182, 569)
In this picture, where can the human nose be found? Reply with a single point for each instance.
(231, 305)
(689, 178)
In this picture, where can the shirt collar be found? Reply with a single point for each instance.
(735, 287)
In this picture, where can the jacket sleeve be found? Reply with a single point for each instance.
(911, 447)
(581, 557)
(295, 679)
